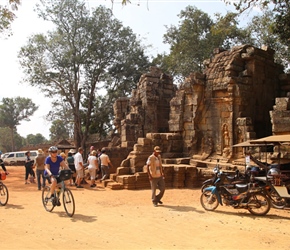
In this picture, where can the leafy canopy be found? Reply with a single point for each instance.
(87, 56)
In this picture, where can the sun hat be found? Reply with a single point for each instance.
(72, 151)
(157, 149)
(62, 154)
(39, 151)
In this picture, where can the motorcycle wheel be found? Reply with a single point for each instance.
(209, 201)
(276, 200)
(259, 204)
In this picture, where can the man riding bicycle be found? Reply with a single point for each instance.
(53, 162)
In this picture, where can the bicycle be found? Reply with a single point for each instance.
(4, 195)
(67, 196)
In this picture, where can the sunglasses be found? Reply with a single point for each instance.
(53, 152)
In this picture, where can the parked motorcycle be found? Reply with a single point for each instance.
(230, 178)
(276, 187)
(240, 196)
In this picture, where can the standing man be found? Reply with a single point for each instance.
(156, 176)
(79, 165)
(105, 163)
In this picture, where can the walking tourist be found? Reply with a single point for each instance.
(39, 165)
(28, 168)
(93, 167)
(71, 165)
(79, 165)
(105, 164)
(156, 176)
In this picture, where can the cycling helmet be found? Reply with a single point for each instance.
(272, 172)
(52, 149)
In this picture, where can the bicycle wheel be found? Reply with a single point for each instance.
(46, 200)
(4, 195)
(68, 202)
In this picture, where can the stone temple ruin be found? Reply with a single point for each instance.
(241, 95)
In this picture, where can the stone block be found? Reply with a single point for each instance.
(144, 141)
(282, 104)
(123, 171)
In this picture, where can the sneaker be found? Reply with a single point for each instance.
(155, 204)
(160, 202)
(92, 186)
(80, 187)
(58, 203)
(52, 199)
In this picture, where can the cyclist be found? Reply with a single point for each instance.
(53, 162)
(2, 164)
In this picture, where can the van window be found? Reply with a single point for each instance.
(10, 155)
(33, 153)
(20, 155)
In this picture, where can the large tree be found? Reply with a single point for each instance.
(261, 29)
(193, 40)
(88, 54)
(281, 13)
(13, 111)
(5, 140)
(58, 131)
(35, 139)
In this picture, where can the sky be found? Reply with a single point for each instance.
(147, 19)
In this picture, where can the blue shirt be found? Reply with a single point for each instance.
(54, 166)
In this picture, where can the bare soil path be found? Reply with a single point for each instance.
(126, 219)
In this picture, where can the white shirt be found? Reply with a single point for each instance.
(92, 162)
(78, 158)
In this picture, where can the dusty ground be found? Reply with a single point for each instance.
(123, 219)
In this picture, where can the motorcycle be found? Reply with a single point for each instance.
(240, 196)
(230, 179)
(276, 187)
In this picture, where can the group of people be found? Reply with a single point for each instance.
(47, 167)
(97, 161)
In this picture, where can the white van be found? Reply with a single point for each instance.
(17, 158)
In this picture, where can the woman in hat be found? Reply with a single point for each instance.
(39, 164)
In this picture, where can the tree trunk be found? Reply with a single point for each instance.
(12, 138)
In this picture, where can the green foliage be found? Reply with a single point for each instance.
(87, 52)
(5, 140)
(280, 10)
(58, 131)
(7, 15)
(261, 28)
(15, 110)
(194, 40)
(35, 139)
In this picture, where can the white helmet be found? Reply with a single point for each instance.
(272, 172)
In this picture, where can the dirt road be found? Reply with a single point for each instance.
(123, 219)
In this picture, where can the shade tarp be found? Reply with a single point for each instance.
(273, 139)
(245, 144)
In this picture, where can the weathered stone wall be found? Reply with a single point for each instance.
(231, 102)
(148, 108)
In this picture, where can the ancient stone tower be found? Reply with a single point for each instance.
(228, 103)
(147, 111)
